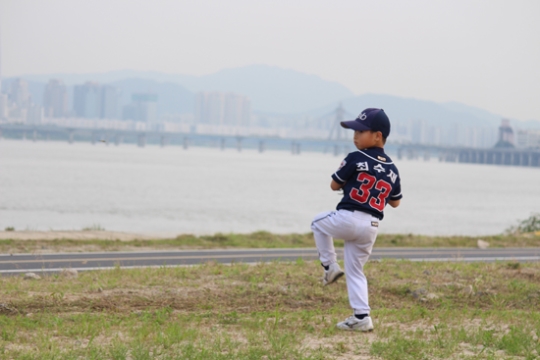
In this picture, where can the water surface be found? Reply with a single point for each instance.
(54, 185)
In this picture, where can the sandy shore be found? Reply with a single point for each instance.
(78, 235)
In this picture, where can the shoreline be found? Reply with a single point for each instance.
(80, 235)
(132, 236)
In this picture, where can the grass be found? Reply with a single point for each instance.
(93, 227)
(273, 311)
(259, 239)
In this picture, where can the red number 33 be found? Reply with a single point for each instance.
(363, 193)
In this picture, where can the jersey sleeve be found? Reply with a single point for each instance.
(396, 188)
(345, 170)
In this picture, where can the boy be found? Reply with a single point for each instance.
(369, 180)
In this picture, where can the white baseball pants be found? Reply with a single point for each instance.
(359, 230)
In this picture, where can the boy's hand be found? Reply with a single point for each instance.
(334, 185)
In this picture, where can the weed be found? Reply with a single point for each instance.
(93, 227)
(529, 225)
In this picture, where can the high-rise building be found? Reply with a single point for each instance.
(87, 100)
(109, 102)
(142, 108)
(34, 114)
(217, 108)
(528, 139)
(3, 106)
(55, 99)
(19, 94)
(237, 110)
(93, 101)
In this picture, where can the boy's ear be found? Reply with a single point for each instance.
(380, 137)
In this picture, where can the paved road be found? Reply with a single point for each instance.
(21, 263)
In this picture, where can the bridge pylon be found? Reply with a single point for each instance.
(336, 131)
(338, 135)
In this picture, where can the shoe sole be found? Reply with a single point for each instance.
(349, 329)
(335, 279)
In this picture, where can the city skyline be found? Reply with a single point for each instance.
(97, 106)
(477, 53)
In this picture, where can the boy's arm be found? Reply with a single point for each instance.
(334, 185)
(394, 203)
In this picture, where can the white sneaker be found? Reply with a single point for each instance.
(333, 273)
(354, 324)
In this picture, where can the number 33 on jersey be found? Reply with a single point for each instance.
(371, 179)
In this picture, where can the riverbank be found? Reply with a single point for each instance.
(91, 241)
(75, 235)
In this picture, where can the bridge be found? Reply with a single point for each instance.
(338, 141)
(492, 156)
(117, 132)
(186, 139)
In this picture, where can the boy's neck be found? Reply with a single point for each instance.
(379, 144)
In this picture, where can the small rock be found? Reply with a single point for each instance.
(31, 275)
(417, 293)
(426, 272)
(29, 315)
(432, 296)
(70, 273)
(468, 290)
(100, 289)
(482, 244)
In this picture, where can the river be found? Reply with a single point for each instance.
(169, 191)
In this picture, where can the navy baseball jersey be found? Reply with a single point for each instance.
(371, 179)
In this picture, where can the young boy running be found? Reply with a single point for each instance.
(369, 180)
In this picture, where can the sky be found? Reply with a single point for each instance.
(483, 53)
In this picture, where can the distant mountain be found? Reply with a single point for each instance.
(274, 91)
(433, 113)
(403, 109)
(271, 89)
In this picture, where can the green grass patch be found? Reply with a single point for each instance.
(273, 311)
(259, 239)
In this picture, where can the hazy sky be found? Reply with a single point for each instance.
(484, 53)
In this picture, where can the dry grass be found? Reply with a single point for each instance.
(273, 311)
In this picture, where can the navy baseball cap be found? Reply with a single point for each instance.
(370, 119)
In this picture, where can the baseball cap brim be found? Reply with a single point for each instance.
(354, 125)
